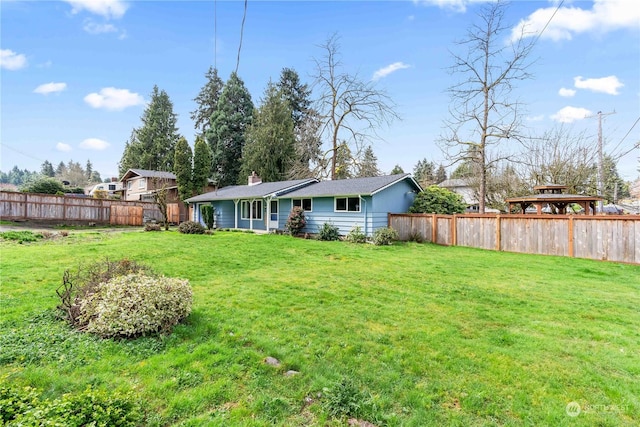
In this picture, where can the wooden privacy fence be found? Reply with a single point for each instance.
(610, 238)
(82, 210)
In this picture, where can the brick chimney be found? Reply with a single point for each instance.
(254, 179)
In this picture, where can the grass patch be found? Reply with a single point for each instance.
(21, 236)
(407, 334)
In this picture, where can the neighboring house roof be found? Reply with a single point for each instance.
(454, 183)
(143, 173)
(353, 186)
(264, 189)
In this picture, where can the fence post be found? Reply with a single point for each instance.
(498, 233)
(454, 230)
(434, 228)
(571, 236)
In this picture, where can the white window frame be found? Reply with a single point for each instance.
(257, 213)
(129, 183)
(346, 199)
(142, 184)
(302, 199)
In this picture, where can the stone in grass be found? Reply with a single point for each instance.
(291, 373)
(272, 361)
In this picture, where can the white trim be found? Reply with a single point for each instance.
(251, 202)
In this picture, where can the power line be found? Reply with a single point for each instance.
(244, 17)
(624, 137)
(549, 21)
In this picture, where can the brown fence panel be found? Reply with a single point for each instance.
(126, 215)
(608, 238)
(612, 238)
(173, 213)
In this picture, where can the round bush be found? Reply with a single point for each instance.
(328, 232)
(135, 304)
(191, 227)
(356, 235)
(384, 236)
(296, 221)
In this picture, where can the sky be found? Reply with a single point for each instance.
(75, 75)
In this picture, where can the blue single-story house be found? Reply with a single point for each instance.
(345, 203)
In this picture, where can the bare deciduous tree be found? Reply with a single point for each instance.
(351, 110)
(560, 157)
(482, 113)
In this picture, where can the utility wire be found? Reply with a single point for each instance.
(548, 22)
(244, 17)
(624, 137)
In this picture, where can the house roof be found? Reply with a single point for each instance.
(144, 173)
(353, 186)
(264, 189)
(454, 183)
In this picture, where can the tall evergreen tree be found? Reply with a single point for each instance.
(201, 165)
(368, 166)
(47, 169)
(424, 173)
(226, 136)
(182, 168)
(296, 94)
(207, 101)
(269, 149)
(60, 169)
(344, 160)
(441, 174)
(397, 170)
(152, 146)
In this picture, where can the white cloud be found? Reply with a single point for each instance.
(48, 88)
(106, 8)
(455, 5)
(608, 85)
(604, 16)
(537, 118)
(571, 114)
(385, 71)
(94, 144)
(566, 92)
(113, 99)
(92, 27)
(61, 146)
(46, 64)
(12, 61)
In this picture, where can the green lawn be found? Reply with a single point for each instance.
(410, 335)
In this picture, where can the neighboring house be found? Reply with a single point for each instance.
(141, 185)
(111, 189)
(346, 203)
(461, 187)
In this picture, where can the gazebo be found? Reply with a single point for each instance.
(552, 194)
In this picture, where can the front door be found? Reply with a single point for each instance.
(273, 214)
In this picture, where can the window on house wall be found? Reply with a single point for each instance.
(305, 204)
(112, 187)
(347, 204)
(142, 183)
(256, 211)
(128, 185)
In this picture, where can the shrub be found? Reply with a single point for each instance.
(435, 199)
(384, 236)
(208, 215)
(136, 304)
(296, 221)
(356, 235)
(150, 226)
(44, 186)
(328, 232)
(191, 227)
(77, 285)
(23, 407)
